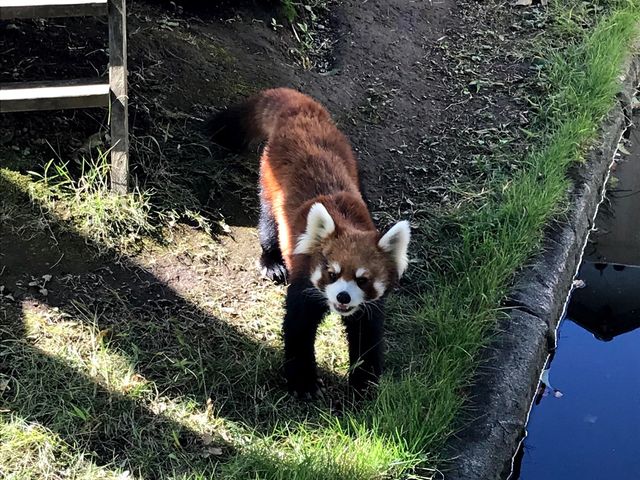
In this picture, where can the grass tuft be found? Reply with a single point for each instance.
(29, 451)
(111, 221)
(344, 450)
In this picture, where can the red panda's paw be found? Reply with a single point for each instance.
(307, 390)
(273, 268)
(308, 393)
(362, 383)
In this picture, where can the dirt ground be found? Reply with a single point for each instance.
(425, 91)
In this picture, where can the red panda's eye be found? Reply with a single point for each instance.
(333, 276)
(361, 281)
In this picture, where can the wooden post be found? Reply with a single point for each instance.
(119, 99)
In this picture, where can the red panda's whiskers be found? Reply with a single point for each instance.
(370, 304)
(312, 292)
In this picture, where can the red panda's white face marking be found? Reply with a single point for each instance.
(347, 288)
(380, 287)
(344, 297)
(349, 270)
(352, 267)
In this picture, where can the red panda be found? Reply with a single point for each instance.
(315, 230)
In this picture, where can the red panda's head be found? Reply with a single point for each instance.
(351, 267)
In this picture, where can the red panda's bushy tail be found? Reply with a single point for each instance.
(233, 128)
(253, 120)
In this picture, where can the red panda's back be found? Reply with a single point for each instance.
(307, 153)
(306, 156)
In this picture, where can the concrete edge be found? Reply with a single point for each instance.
(505, 384)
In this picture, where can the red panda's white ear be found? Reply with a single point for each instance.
(319, 226)
(396, 242)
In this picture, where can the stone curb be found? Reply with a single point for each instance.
(505, 384)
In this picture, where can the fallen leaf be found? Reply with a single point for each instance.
(622, 149)
(544, 378)
(158, 408)
(215, 451)
(579, 284)
(103, 333)
(225, 227)
(4, 384)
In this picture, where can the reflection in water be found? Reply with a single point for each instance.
(586, 425)
(607, 307)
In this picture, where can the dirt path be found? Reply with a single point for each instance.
(383, 89)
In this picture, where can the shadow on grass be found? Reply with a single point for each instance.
(110, 428)
(189, 360)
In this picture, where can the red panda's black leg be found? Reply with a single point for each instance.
(364, 334)
(271, 262)
(304, 312)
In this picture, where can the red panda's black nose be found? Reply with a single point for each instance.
(343, 297)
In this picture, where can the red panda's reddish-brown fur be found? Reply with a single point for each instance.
(314, 220)
(306, 157)
(306, 160)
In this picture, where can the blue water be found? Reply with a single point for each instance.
(591, 432)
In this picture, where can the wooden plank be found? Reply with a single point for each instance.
(119, 99)
(51, 8)
(30, 96)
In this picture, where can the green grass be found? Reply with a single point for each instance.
(186, 392)
(31, 452)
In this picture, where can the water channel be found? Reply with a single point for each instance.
(585, 421)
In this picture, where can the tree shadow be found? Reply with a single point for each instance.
(187, 354)
(112, 429)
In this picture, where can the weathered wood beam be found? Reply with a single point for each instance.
(51, 8)
(53, 95)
